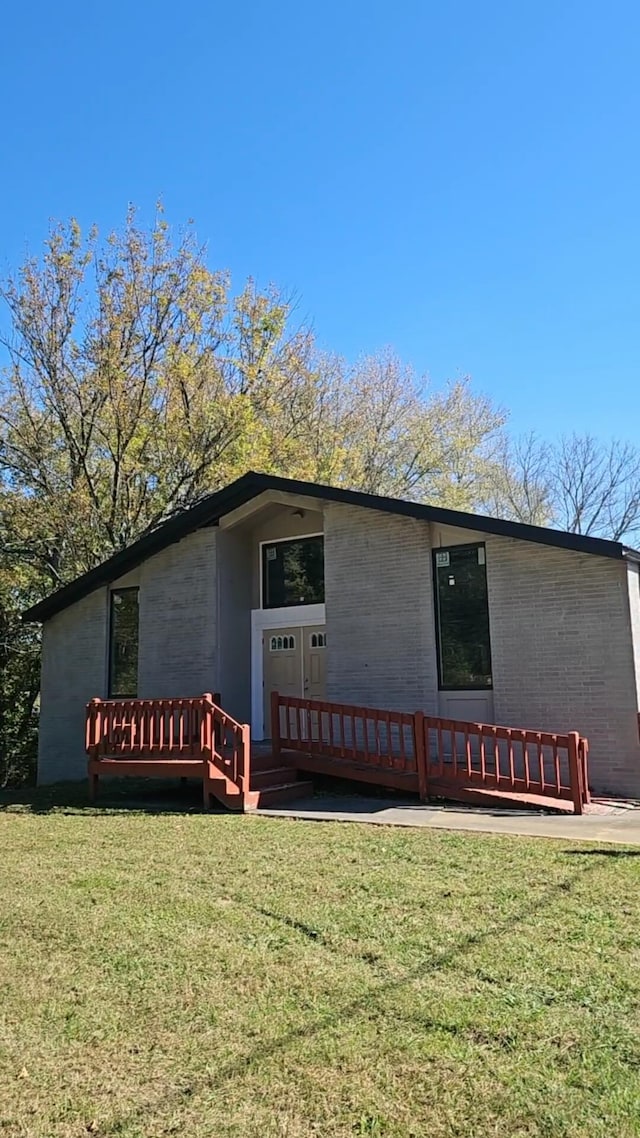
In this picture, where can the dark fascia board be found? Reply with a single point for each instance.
(204, 513)
(215, 506)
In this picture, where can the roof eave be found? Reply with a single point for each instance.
(211, 509)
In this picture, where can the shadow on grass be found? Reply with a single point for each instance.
(136, 796)
(370, 1005)
(605, 852)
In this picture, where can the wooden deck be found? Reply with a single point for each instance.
(431, 757)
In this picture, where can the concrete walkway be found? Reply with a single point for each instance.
(607, 820)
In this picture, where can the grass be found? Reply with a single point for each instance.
(177, 974)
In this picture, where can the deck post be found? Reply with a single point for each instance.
(93, 782)
(275, 725)
(584, 767)
(216, 698)
(94, 725)
(420, 753)
(245, 777)
(206, 791)
(208, 737)
(92, 744)
(575, 772)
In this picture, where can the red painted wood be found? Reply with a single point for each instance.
(539, 764)
(158, 736)
(421, 758)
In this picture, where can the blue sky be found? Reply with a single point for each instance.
(458, 180)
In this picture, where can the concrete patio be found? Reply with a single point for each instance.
(606, 820)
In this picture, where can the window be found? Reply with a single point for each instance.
(293, 572)
(318, 640)
(282, 643)
(462, 617)
(123, 644)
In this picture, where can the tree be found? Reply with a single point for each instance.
(595, 487)
(579, 484)
(137, 382)
(519, 483)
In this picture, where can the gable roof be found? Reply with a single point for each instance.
(250, 485)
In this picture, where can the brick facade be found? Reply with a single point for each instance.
(177, 648)
(565, 633)
(74, 666)
(179, 619)
(380, 617)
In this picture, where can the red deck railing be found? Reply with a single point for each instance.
(344, 731)
(445, 756)
(169, 729)
(511, 759)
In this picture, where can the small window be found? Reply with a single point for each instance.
(123, 644)
(282, 643)
(293, 572)
(318, 640)
(462, 618)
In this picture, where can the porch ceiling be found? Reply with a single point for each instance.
(267, 506)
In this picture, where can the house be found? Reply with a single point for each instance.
(278, 585)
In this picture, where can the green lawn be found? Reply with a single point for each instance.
(181, 974)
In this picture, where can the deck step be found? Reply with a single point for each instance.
(284, 792)
(270, 776)
(263, 760)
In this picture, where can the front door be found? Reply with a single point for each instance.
(314, 662)
(293, 664)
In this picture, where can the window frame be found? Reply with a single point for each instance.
(110, 646)
(261, 569)
(434, 568)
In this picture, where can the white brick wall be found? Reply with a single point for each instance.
(380, 622)
(234, 559)
(633, 582)
(562, 652)
(560, 633)
(177, 648)
(178, 619)
(73, 672)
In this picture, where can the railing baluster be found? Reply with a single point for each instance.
(402, 752)
(440, 749)
(365, 735)
(527, 772)
(540, 749)
(556, 767)
(482, 751)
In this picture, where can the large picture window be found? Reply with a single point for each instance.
(293, 572)
(123, 644)
(462, 616)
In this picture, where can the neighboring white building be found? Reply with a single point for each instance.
(279, 584)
